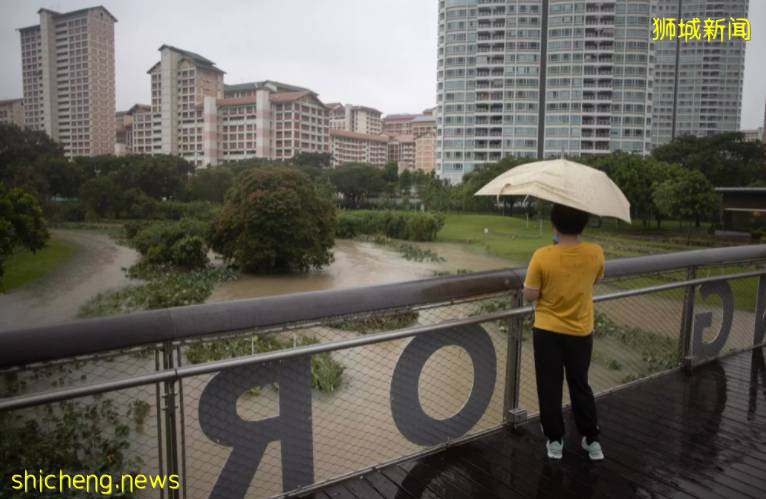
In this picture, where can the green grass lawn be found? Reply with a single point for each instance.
(25, 266)
(511, 238)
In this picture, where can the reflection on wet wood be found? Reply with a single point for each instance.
(674, 436)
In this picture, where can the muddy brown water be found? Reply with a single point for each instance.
(95, 266)
(353, 427)
(361, 264)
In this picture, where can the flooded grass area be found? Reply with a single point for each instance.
(24, 266)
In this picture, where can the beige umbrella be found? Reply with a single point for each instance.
(563, 182)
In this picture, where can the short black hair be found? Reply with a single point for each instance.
(567, 220)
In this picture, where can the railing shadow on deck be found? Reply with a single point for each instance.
(280, 395)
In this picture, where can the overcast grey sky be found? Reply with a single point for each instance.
(380, 53)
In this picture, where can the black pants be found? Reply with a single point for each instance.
(555, 352)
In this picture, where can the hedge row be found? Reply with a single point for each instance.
(410, 226)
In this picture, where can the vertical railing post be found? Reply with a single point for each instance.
(513, 414)
(182, 432)
(159, 409)
(760, 312)
(171, 435)
(687, 319)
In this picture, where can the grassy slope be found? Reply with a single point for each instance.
(26, 266)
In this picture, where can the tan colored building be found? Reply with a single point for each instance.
(337, 115)
(125, 120)
(398, 124)
(185, 87)
(410, 124)
(358, 147)
(425, 153)
(359, 119)
(196, 116)
(401, 149)
(12, 112)
(68, 78)
(423, 124)
(412, 140)
(270, 120)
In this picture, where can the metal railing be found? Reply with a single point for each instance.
(279, 395)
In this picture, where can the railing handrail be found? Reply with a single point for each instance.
(177, 373)
(40, 344)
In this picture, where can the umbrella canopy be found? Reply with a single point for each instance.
(563, 182)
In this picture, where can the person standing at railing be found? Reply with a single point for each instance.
(560, 281)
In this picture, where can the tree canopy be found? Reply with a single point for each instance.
(275, 220)
(21, 223)
(357, 182)
(726, 159)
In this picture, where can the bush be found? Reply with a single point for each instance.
(179, 244)
(164, 289)
(410, 226)
(65, 211)
(326, 372)
(275, 220)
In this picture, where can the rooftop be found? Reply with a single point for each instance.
(77, 12)
(360, 136)
(254, 85)
(194, 57)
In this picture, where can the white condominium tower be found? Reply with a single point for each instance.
(698, 83)
(68, 79)
(541, 78)
(538, 78)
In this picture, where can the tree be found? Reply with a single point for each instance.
(727, 160)
(317, 160)
(22, 147)
(478, 178)
(405, 182)
(689, 196)
(210, 184)
(275, 220)
(102, 197)
(21, 223)
(357, 181)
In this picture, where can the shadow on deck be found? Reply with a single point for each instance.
(677, 435)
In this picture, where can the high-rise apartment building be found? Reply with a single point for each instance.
(401, 148)
(425, 146)
(12, 112)
(358, 147)
(68, 79)
(398, 124)
(409, 124)
(540, 78)
(198, 117)
(358, 119)
(698, 83)
(125, 120)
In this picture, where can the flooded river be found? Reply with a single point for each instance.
(361, 264)
(97, 265)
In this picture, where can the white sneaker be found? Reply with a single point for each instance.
(555, 449)
(594, 450)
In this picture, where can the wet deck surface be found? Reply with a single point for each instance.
(683, 436)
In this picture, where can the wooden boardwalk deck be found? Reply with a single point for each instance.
(677, 435)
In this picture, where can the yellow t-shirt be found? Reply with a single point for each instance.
(565, 276)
